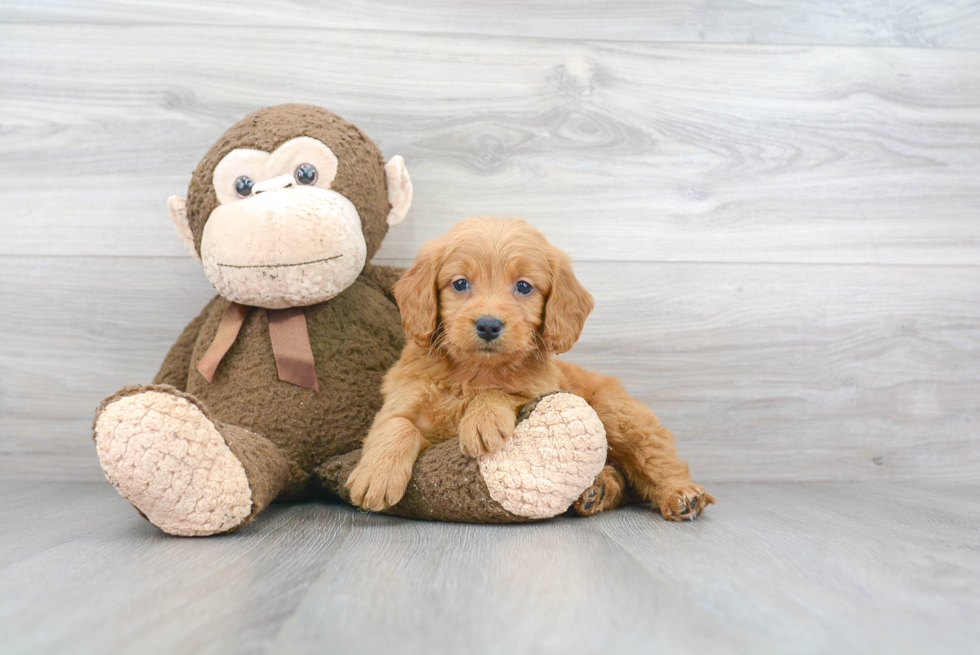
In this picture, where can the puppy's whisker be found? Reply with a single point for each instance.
(437, 343)
(540, 352)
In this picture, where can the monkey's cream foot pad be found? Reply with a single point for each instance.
(554, 455)
(169, 460)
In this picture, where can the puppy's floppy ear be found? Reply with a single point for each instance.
(418, 297)
(567, 306)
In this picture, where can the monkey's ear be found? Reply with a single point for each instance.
(399, 189)
(178, 214)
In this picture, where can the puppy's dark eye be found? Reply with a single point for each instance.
(524, 288)
(461, 284)
(305, 174)
(243, 186)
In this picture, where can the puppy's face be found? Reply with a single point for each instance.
(492, 294)
(492, 290)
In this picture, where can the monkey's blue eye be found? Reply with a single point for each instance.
(461, 284)
(305, 174)
(524, 288)
(243, 186)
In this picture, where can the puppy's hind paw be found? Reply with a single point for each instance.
(589, 502)
(685, 503)
(607, 492)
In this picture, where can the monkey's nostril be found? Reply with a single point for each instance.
(488, 328)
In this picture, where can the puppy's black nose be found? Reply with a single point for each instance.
(488, 328)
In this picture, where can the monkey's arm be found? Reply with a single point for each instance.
(176, 365)
(383, 278)
(556, 452)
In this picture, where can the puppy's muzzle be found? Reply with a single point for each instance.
(488, 328)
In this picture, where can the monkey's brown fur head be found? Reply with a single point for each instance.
(288, 205)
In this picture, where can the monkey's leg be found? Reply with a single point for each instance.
(186, 473)
(557, 449)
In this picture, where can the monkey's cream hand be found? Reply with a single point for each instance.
(487, 423)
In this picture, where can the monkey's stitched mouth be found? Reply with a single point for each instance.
(315, 261)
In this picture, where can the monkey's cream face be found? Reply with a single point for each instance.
(281, 237)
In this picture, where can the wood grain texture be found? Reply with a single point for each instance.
(764, 372)
(623, 151)
(783, 239)
(916, 23)
(789, 568)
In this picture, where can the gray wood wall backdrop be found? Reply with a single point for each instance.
(776, 207)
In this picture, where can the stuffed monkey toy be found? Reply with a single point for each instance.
(268, 393)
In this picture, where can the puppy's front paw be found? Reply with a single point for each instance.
(685, 502)
(376, 487)
(485, 429)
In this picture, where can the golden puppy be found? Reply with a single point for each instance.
(486, 307)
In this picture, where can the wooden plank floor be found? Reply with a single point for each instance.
(622, 152)
(916, 23)
(790, 568)
(869, 374)
(783, 240)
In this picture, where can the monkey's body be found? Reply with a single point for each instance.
(284, 211)
(356, 337)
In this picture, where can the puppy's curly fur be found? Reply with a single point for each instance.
(486, 307)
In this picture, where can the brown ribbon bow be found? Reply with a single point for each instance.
(290, 344)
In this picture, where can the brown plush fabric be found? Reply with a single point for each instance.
(446, 486)
(383, 278)
(174, 369)
(360, 174)
(355, 338)
(270, 473)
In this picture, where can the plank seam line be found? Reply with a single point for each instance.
(430, 34)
